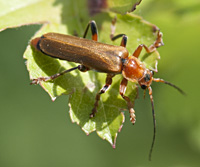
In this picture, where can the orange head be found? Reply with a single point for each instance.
(146, 79)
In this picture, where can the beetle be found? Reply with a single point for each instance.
(100, 57)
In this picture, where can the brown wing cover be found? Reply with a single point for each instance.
(98, 56)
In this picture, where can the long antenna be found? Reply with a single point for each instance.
(153, 113)
(168, 83)
(154, 123)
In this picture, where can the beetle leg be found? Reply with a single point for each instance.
(113, 38)
(151, 48)
(94, 30)
(159, 40)
(103, 90)
(122, 90)
(124, 41)
(113, 27)
(79, 67)
(139, 49)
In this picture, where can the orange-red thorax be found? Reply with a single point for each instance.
(135, 71)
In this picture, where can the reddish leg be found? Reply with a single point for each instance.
(150, 49)
(159, 40)
(122, 91)
(103, 90)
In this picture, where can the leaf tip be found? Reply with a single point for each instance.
(53, 98)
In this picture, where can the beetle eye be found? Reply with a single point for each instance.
(143, 86)
(152, 72)
(147, 77)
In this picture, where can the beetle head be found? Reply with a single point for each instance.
(146, 79)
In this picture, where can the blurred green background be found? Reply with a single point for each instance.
(34, 131)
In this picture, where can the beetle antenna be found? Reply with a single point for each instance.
(153, 113)
(168, 83)
(154, 123)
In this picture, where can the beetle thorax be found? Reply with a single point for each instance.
(133, 69)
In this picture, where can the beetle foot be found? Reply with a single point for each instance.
(38, 80)
(132, 115)
(92, 115)
(35, 82)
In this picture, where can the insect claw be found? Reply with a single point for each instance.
(38, 80)
(92, 115)
(34, 82)
(132, 115)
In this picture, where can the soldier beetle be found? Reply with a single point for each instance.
(100, 57)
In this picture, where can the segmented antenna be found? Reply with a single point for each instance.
(153, 113)
(154, 123)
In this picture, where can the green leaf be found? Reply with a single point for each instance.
(16, 13)
(71, 17)
(124, 6)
